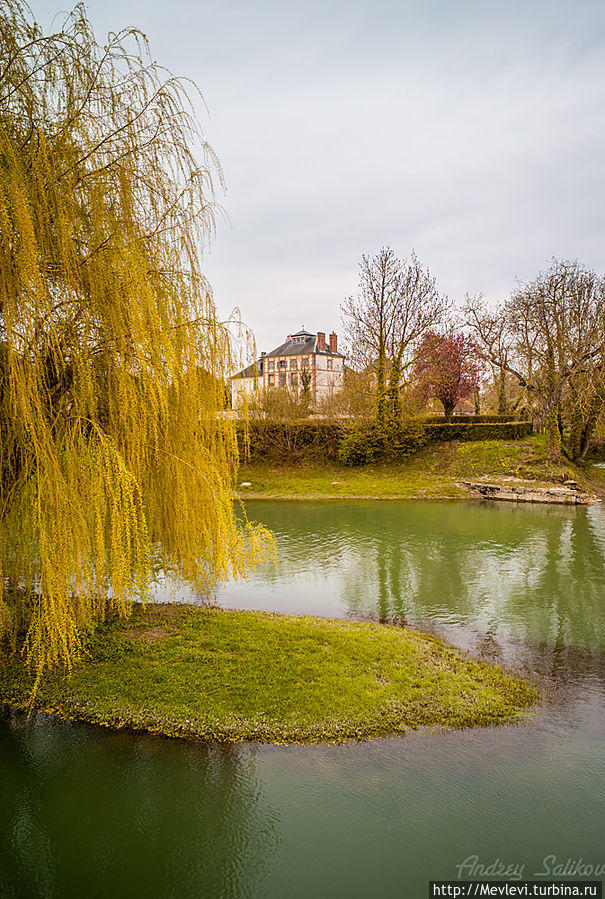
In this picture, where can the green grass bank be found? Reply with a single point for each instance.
(434, 473)
(228, 676)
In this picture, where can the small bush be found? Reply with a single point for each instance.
(360, 447)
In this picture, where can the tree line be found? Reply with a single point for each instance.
(544, 347)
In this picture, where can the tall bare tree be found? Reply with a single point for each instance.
(398, 301)
(550, 336)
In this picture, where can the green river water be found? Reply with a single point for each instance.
(87, 813)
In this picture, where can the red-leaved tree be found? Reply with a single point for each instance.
(447, 368)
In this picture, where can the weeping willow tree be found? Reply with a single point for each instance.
(114, 460)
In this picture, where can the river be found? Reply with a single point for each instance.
(86, 812)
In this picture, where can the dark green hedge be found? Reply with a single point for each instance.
(369, 444)
(511, 430)
(470, 419)
(276, 441)
(328, 442)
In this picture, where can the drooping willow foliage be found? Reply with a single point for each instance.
(114, 459)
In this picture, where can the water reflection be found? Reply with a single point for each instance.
(78, 806)
(91, 813)
(534, 573)
(520, 585)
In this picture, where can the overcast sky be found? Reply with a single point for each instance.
(471, 132)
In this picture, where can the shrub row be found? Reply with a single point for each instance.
(369, 444)
(469, 419)
(329, 442)
(276, 441)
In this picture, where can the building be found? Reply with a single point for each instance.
(303, 359)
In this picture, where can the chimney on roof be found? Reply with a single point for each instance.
(333, 343)
(321, 341)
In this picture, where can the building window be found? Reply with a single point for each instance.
(282, 379)
(304, 362)
(283, 363)
(270, 366)
(329, 363)
(294, 364)
(271, 380)
(294, 380)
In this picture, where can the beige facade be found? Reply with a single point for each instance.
(246, 386)
(303, 358)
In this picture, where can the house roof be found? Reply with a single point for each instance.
(255, 369)
(303, 333)
(291, 347)
(307, 347)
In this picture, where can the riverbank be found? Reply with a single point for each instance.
(437, 472)
(226, 676)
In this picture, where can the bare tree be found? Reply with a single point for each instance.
(550, 336)
(397, 302)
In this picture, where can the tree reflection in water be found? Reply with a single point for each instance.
(488, 573)
(79, 804)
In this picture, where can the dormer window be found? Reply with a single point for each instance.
(300, 337)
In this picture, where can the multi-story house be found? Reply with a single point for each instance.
(304, 359)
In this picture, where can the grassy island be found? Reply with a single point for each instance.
(230, 676)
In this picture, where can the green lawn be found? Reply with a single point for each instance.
(232, 676)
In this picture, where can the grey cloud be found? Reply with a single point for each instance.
(471, 132)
